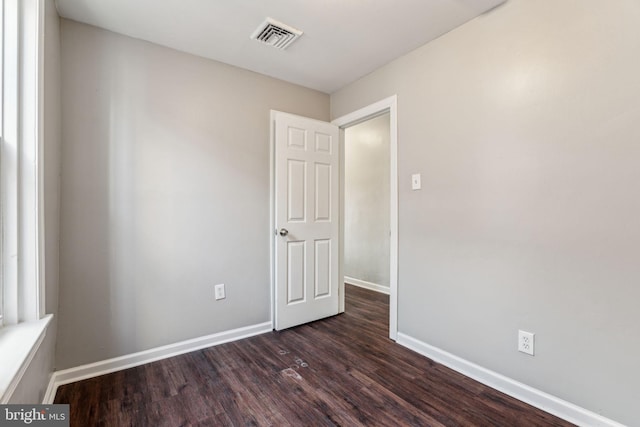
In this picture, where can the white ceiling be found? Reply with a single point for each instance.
(342, 41)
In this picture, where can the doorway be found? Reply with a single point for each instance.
(294, 202)
(366, 204)
(385, 107)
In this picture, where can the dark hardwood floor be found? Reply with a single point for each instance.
(338, 371)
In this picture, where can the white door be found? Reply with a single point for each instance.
(306, 220)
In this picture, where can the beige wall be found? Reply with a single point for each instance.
(165, 193)
(524, 126)
(366, 209)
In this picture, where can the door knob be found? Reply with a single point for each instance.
(283, 232)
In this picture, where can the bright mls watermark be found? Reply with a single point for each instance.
(34, 415)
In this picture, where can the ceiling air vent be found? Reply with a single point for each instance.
(276, 34)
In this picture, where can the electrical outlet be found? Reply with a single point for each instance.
(526, 341)
(220, 291)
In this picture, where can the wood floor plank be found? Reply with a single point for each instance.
(340, 371)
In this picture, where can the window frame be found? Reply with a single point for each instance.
(21, 199)
(1, 139)
(21, 242)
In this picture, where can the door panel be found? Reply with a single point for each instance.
(297, 191)
(296, 277)
(323, 192)
(306, 220)
(323, 143)
(323, 268)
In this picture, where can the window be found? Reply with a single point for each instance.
(20, 296)
(21, 303)
(1, 139)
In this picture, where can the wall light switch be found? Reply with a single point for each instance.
(415, 182)
(220, 294)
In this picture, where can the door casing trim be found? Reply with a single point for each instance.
(387, 105)
(383, 106)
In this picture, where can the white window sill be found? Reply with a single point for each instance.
(18, 345)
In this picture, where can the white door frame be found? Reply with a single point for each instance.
(389, 105)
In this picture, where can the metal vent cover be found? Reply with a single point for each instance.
(276, 34)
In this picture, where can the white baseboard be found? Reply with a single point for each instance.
(541, 400)
(52, 388)
(367, 285)
(91, 370)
